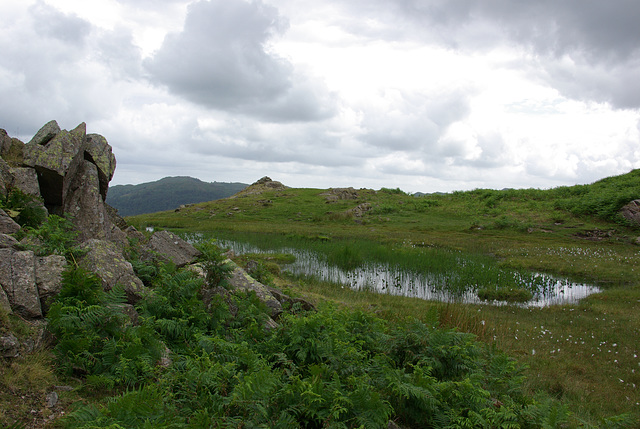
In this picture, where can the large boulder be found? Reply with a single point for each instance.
(26, 180)
(99, 152)
(170, 248)
(105, 259)
(46, 133)
(11, 149)
(52, 161)
(631, 212)
(240, 280)
(49, 271)
(83, 202)
(18, 279)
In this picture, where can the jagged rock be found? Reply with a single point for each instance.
(7, 241)
(262, 185)
(46, 133)
(115, 218)
(11, 149)
(49, 278)
(335, 194)
(18, 279)
(360, 209)
(134, 235)
(291, 302)
(172, 248)
(239, 279)
(9, 346)
(5, 141)
(104, 258)
(98, 151)
(26, 180)
(7, 225)
(52, 162)
(4, 301)
(631, 212)
(6, 178)
(83, 201)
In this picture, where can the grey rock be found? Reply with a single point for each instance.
(52, 399)
(4, 301)
(18, 279)
(134, 235)
(53, 160)
(240, 280)
(98, 151)
(6, 178)
(26, 180)
(46, 133)
(9, 346)
(7, 225)
(284, 299)
(7, 241)
(11, 149)
(104, 258)
(172, 248)
(49, 278)
(631, 212)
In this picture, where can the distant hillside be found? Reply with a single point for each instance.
(167, 194)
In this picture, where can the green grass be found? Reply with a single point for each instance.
(573, 232)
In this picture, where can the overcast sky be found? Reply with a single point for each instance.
(423, 95)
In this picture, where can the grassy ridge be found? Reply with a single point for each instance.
(584, 354)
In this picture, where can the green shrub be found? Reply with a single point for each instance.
(27, 210)
(94, 335)
(56, 235)
(213, 262)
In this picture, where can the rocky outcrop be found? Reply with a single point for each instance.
(27, 280)
(7, 224)
(631, 212)
(105, 260)
(170, 248)
(70, 171)
(240, 280)
(335, 194)
(260, 186)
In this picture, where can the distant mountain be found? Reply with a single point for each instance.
(167, 194)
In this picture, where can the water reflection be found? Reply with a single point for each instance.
(383, 278)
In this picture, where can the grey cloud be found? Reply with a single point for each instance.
(601, 38)
(415, 124)
(221, 60)
(62, 68)
(68, 29)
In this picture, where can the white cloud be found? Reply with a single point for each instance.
(423, 95)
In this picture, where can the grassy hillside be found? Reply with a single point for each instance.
(584, 354)
(167, 194)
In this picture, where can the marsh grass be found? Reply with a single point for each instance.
(586, 354)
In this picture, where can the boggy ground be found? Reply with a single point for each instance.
(586, 354)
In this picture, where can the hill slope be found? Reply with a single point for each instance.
(167, 194)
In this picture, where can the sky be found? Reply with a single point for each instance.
(421, 95)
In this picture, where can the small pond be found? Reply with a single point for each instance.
(383, 278)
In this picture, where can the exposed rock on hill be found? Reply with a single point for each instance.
(631, 212)
(70, 171)
(262, 185)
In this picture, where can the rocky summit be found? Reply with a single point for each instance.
(67, 173)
